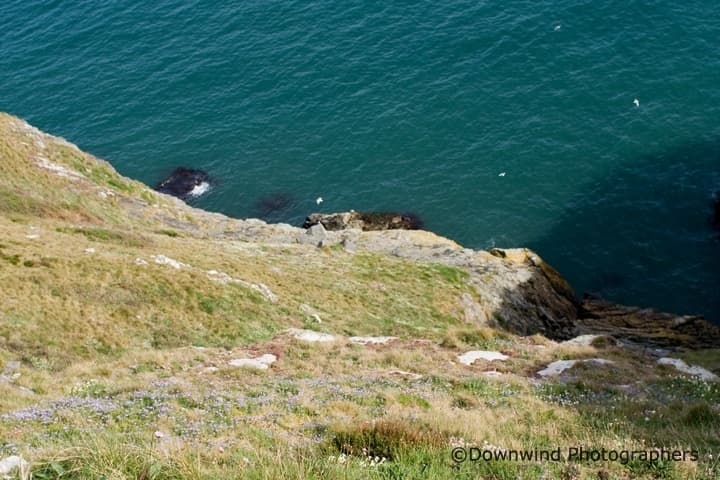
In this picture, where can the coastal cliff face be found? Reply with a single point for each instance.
(115, 296)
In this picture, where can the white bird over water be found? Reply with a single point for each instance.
(319, 200)
(557, 27)
(636, 102)
(501, 174)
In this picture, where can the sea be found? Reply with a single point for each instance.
(586, 130)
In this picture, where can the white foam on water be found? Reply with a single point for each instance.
(199, 189)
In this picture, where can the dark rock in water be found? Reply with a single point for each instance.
(274, 203)
(365, 221)
(185, 182)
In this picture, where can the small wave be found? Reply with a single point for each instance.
(199, 189)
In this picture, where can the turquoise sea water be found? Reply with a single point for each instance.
(410, 106)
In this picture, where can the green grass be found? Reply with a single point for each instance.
(104, 235)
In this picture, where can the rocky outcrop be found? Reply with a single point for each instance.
(646, 326)
(367, 221)
(512, 288)
(533, 297)
(185, 182)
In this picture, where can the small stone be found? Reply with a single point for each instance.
(265, 292)
(693, 370)
(310, 335)
(556, 368)
(10, 368)
(224, 278)
(349, 244)
(311, 312)
(10, 464)
(582, 340)
(315, 235)
(261, 363)
(559, 366)
(163, 260)
(468, 358)
(371, 340)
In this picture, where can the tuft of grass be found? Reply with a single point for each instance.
(483, 338)
(100, 459)
(385, 438)
(464, 402)
(701, 414)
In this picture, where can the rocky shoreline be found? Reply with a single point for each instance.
(365, 221)
(544, 303)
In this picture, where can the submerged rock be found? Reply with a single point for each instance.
(185, 182)
(274, 203)
(366, 221)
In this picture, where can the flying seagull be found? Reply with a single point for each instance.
(636, 102)
(557, 27)
(501, 174)
(319, 200)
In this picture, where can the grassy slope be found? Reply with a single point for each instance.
(113, 349)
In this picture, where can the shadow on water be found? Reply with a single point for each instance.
(643, 234)
(275, 207)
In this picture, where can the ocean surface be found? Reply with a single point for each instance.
(502, 124)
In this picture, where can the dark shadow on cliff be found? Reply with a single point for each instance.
(643, 235)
